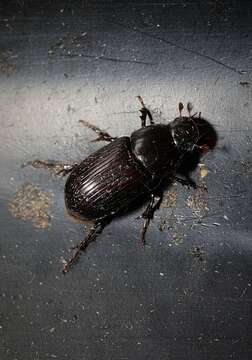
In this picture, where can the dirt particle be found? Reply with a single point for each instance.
(169, 199)
(245, 84)
(246, 167)
(198, 203)
(197, 253)
(177, 239)
(162, 225)
(202, 170)
(5, 66)
(30, 203)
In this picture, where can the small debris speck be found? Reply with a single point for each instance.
(169, 199)
(5, 66)
(198, 204)
(202, 170)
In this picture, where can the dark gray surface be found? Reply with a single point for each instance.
(122, 301)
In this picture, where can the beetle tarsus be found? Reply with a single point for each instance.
(144, 113)
(144, 229)
(102, 135)
(67, 169)
(95, 230)
(58, 167)
(148, 214)
(187, 182)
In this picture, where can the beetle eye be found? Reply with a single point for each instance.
(204, 148)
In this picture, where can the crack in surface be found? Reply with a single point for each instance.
(171, 43)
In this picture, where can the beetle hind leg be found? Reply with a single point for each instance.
(58, 167)
(95, 230)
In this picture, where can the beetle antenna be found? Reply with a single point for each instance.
(189, 108)
(181, 107)
(141, 101)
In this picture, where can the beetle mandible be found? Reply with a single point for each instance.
(112, 179)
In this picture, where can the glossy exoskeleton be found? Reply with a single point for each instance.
(113, 178)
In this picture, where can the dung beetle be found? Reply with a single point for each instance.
(111, 180)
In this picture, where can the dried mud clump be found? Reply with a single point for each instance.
(30, 203)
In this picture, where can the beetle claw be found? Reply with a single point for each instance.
(66, 169)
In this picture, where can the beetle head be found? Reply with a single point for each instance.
(193, 133)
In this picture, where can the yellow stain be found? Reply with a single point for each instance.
(203, 170)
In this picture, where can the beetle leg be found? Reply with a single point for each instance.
(102, 135)
(67, 169)
(190, 183)
(144, 113)
(95, 230)
(58, 167)
(148, 213)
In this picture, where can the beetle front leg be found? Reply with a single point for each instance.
(102, 135)
(148, 213)
(58, 167)
(189, 182)
(144, 113)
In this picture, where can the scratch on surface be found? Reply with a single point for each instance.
(107, 58)
(66, 48)
(32, 278)
(176, 45)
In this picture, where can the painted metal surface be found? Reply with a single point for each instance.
(187, 295)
